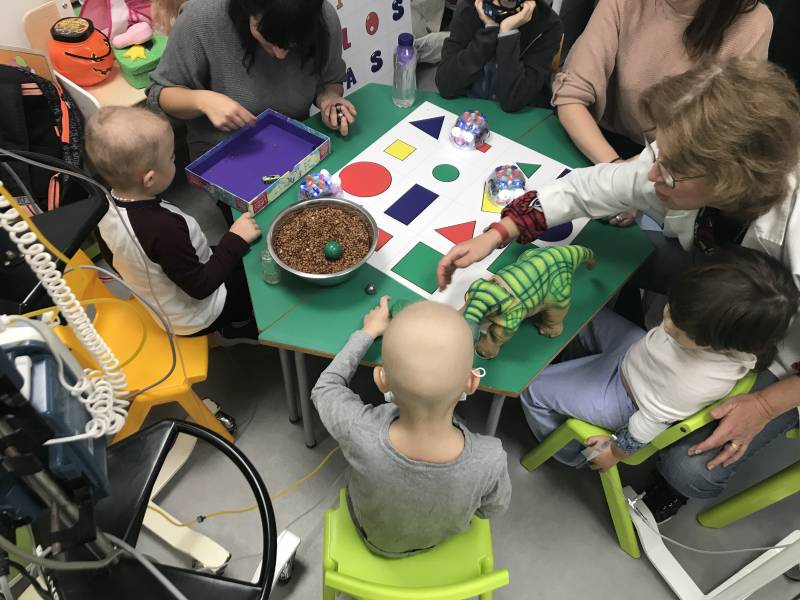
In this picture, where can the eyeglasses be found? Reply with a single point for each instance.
(669, 179)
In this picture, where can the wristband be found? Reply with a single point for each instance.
(505, 236)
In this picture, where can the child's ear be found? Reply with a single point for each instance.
(147, 178)
(380, 379)
(472, 383)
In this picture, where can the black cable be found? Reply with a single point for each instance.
(23, 190)
(43, 593)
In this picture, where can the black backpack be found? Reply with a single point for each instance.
(48, 124)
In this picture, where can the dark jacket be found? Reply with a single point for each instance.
(523, 58)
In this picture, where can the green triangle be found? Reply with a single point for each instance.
(528, 169)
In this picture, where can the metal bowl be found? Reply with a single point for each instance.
(323, 279)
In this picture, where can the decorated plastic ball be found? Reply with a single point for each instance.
(506, 183)
(319, 185)
(370, 289)
(470, 130)
(333, 250)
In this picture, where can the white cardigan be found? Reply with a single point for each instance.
(608, 189)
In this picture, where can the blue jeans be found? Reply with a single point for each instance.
(587, 388)
(689, 475)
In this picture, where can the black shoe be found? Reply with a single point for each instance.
(233, 336)
(663, 500)
(227, 421)
(793, 573)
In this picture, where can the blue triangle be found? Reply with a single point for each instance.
(432, 126)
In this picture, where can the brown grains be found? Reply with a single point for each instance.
(301, 238)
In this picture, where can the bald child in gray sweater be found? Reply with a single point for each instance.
(418, 476)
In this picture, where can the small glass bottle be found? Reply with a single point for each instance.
(405, 72)
(270, 270)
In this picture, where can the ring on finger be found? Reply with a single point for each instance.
(734, 445)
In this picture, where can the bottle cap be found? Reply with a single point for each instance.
(405, 39)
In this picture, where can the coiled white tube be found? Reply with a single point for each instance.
(103, 393)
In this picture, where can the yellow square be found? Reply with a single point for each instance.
(399, 149)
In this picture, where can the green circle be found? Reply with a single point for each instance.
(445, 173)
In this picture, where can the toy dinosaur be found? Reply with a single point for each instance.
(538, 283)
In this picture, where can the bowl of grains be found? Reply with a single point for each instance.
(322, 241)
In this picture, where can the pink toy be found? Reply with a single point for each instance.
(116, 17)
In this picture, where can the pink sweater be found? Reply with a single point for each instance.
(629, 45)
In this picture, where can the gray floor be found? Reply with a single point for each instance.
(556, 539)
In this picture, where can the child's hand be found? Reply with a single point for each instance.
(606, 459)
(519, 19)
(482, 15)
(377, 320)
(246, 228)
(224, 113)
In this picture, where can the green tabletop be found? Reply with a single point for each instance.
(316, 320)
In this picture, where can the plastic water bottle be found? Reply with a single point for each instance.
(270, 270)
(405, 71)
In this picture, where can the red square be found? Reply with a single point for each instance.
(484, 148)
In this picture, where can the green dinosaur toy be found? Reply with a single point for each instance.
(538, 283)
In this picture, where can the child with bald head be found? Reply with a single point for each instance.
(419, 475)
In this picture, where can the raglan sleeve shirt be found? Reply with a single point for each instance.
(165, 238)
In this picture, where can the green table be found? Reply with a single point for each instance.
(294, 315)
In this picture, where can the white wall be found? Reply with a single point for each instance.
(11, 13)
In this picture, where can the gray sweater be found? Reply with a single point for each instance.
(204, 53)
(401, 506)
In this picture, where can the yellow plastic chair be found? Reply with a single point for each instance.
(462, 567)
(575, 429)
(142, 347)
(773, 489)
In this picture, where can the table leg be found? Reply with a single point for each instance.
(306, 410)
(494, 413)
(288, 385)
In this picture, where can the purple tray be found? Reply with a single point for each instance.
(275, 145)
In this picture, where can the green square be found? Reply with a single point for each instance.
(419, 267)
(507, 257)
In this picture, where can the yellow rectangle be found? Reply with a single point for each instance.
(400, 149)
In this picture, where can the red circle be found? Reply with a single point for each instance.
(365, 179)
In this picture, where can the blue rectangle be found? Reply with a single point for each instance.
(411, 204)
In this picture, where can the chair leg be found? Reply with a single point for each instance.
(486, 596)
(327, 592)
(200, 414)
(618, 507)
(547, 448)
(137, 413)
(768, 492)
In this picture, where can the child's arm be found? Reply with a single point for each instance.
(338, 406)
(166, 240)
(497, 500)
(522, 77)
(640, 431)
(471, 45)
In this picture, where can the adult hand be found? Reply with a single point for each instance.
(741, 419)
(623, 219)
(485, 19)
(464, 254)
(519, 19)
(223, 112)
(377, 320)
(337, 112)
(246, 228)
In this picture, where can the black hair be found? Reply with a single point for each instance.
(740, 299)
(704, 35)
(296, 25)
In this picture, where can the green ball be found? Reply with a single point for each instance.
(333, 251)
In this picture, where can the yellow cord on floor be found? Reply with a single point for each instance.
(287, 490)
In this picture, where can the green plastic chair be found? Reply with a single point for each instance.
(575, 429)
(462, 567)
(773, 489)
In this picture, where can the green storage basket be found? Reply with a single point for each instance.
(137, 71)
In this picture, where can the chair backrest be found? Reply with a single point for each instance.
(37, 23)
(687, 426)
